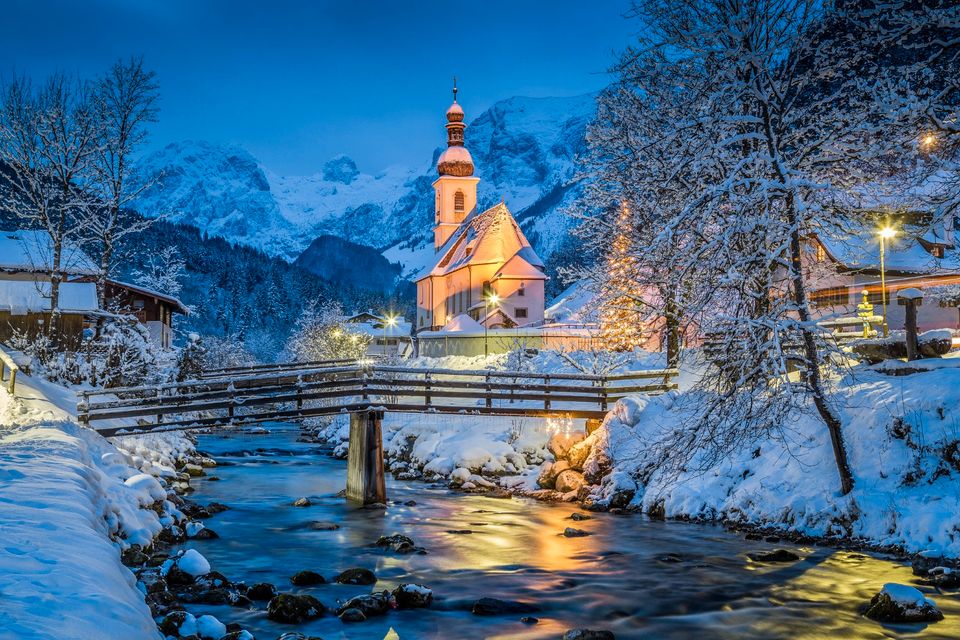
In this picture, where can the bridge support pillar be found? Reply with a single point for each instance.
(365, 480)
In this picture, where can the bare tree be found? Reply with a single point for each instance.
(126, 102)
(48, 139)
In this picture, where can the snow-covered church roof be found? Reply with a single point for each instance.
(489, 237)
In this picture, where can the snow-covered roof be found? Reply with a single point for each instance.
(32, 251)
(401, 329)
(575, 304)
(20, 297)
(147, 291)
(462, 322)
(489, 237)
(519, 267)
(904, 253)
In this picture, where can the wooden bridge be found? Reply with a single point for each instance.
(291, 392)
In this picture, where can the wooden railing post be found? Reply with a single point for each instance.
(546, 392)
(299, 393)
(603, 394)
(426, 389)
(488, 401)
(232, 401)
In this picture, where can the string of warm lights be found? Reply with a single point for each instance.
(620, 325)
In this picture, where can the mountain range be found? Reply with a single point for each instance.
(525, 151)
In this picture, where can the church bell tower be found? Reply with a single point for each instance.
(456, 188)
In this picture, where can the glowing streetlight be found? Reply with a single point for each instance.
(391, 322)
(491, 301)
(928, 141)
(886, 233)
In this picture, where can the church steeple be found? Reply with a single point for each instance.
(456, 188)
(456, 160)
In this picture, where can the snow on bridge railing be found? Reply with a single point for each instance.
(266, 396)
(7, 364)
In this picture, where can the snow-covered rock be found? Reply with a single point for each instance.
(902, 603)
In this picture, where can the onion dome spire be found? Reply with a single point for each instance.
(456, 160)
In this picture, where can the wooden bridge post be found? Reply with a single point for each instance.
(365, 479)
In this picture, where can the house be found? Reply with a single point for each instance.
(389, 335)
(484, 266)
(915, 255)
(25, 262)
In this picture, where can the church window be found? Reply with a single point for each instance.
(520, 313)
(458, 202)
(523, 290)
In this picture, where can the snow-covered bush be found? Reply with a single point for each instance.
(321, 334)
(221, 353)
(190, 360)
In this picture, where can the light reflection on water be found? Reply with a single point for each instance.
(620, 578)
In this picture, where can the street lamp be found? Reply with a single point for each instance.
(886, 233)
(391, 325)
(491, 301)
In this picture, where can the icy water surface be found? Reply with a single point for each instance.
(638, 578)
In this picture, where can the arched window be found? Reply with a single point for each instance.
(458, 202)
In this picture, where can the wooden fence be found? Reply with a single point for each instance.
(293, 394)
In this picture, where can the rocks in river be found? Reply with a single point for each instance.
(162, 602)
(549, 472)
(321, 525)
(497, 607)
(529, 620)
(356, 575)
(569, 480)
(373, 604)
(239, 635)
(296, 635)
(172, 535)
(199, 531)
(151, 580)
(460, 532)
(570, 532)
(302, 502)
(294, 608)
(561, 443)
(193, 470)
(902, 603)
(578, 454)
(181, 624)
(579, 517)
(352, 615)
(943, 578)
(262, 591)
(753, 536)
(307, 578)
(134, 556)
(216, 507)
(206, 534)
(777, 555)
(412, 596)
(399, 543)
(588, 634)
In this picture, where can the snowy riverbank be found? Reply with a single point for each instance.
(72, 501)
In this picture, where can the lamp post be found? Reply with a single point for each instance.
(391, 325)
(885, 234)
(491, 301)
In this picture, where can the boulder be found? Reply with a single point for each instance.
(352, 615)
(549, 472)
(262, 591)
(134, 556)
(239, 635)
(570, 532)
(216, 507)
(302, 502)
(294, 608)
(777, 555)
(412, 596)
(374, 604)
(569, 480)
(560, 443)
(193, 470)
(162, 602)
(902, 603)
(356, 576)
(578, 454)
(397, 542)
(320, 525)
(579, 517)
(307, 578)
(588, 634)
(597, 465)
(497, 607)
(171, 623)
(296, 635)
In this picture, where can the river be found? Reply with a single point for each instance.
(636, 577)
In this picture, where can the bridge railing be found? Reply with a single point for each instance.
(332, 390)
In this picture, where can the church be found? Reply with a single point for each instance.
(485, 273)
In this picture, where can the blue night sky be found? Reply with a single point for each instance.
(299, 82)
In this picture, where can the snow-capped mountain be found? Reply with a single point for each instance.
(525, 151)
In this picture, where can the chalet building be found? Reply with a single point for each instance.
(484, 267)
(387, 337)
(914, 257)
(25, 259)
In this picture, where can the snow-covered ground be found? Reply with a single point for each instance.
(903, 438)
(70, 502)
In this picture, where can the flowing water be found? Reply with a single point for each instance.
(635, 577)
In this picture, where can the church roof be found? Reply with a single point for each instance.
(489, 237)
(519, 266)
